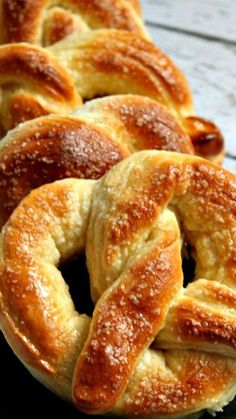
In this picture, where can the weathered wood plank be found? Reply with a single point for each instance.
(214, 18)
(230, 164)
(210, 68)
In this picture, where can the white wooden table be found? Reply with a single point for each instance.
(200, 36)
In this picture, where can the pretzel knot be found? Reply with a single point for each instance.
(36, 81)
(32, 83)
(45, 22)
(153, 346)
(103, 132)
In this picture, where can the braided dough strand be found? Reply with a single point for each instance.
(33, 83)
(129, 222)
(38, 301)
(147, 183)
(44, 22)
(128, 314)
(104, 60)
(83, 146)
(113, 62)
(37, 81)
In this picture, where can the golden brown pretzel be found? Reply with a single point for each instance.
(107, 62)
(84, 146)
(33, 83)
(110, 61)
(129, 222)
(44, 22)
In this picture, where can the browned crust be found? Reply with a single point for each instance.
(25, 18)
(123, 325)
(25, 64)
(33, 355)
(142, 67)
(22, 106)
(166, 179)
(135, 65)
(53, 148)
(149, 125)
(22, 18)
(49, 149)
(197, 180)
(59, 24)
(207, 138)
(196, 323)
(222, 295)
(202, 318)
(33, 84)
(142, 210)
(125, 204)
(199, 377)
(44, 351)
(124, 52)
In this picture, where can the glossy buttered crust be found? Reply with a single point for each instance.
(131, 223)
(98, 63)
(33, 83)
(112, 62)
(118, 59)
(44, 22)
(83, 146)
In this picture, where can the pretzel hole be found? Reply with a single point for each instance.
(75, 274)
(188, 264)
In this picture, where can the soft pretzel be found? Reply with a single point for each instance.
(99, 63)
(110, 61)
(131, 223)
(84, 146)
(44, 22)
(33, 83)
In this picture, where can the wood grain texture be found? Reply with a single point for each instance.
(213, 18)
(201, 38)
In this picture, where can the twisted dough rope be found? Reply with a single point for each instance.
(123, 62)
(127, 221)
(98, 63)
(83, 146)
(44, 22)
(33, 83)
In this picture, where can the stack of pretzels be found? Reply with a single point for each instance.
(102, 153)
